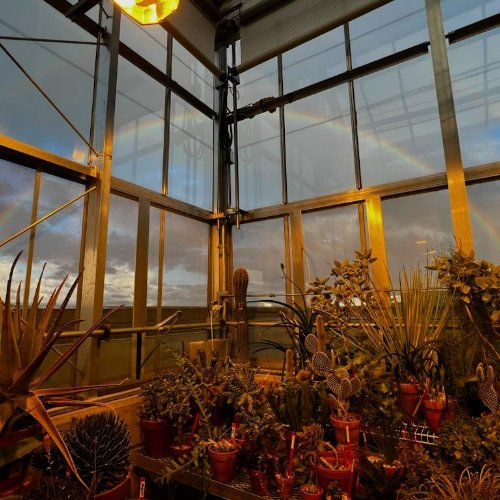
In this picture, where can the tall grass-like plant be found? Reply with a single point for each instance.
(401, 327)
(470, 486)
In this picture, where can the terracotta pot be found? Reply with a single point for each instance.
(259, 481)
(119, 492)
(223, 464)
(156, 436)
(340, 430)
(325, 476)
(179, 450)
(284, 485)
(433, 412)
(12, 475)
(408, 398)
(305, 495)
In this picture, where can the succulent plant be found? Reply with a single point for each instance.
(487, 391)
(343, 387)
(100, 446)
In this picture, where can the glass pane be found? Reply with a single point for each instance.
(416, 227)
(185, 272)
(398, 123)
(251, 243)
(192, 75)
(484, 203)
(319, 154)
(148, 41)
(191, 155)
(139, 128)
(396, 26)
(328, 235)
(25, 114)
(57, 239)
(257, 83)
(259, 161)
(475, 73)
(120, 258)
(16, 188)
(459, 13)
(314, 61)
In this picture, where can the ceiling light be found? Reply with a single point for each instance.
(148, 11)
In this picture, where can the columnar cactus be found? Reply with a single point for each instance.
(240, 285)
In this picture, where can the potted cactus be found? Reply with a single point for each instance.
(346, 425)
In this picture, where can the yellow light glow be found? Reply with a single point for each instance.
(148, 11)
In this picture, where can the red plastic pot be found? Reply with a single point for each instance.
(306, 495)
(408, 397)
(259, 481)
(119, 492)
(433, 412)
(284, 485)
(156, 436)
(223, 464)
(325, 476)
(340, 430)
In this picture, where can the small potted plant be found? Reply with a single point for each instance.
(155, 430)
(311, 491)
(334, 468)
(346, 425)
(222, 454)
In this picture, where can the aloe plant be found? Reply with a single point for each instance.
(24, 346)
(297, 319)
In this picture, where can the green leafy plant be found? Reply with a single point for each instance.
(24, 346)
(477, 285)
(470, 442)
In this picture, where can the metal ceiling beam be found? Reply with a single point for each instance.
(80, 8)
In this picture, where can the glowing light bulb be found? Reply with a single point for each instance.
(148, 11)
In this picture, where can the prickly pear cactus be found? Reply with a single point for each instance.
(487, 391)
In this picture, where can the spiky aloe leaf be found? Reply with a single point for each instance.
(10, 361)
(32, 404)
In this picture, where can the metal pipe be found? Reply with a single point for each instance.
(45, 40)
(45, 217)
(271, 103)
(138, 329)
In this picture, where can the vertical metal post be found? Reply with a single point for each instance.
(166, 118)
(449, 130)
(31, 243)
(140, 288)
(235, 141)
(297, 251)
(281, 110)
(98, 203)
(355, 137)
(377, 240)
